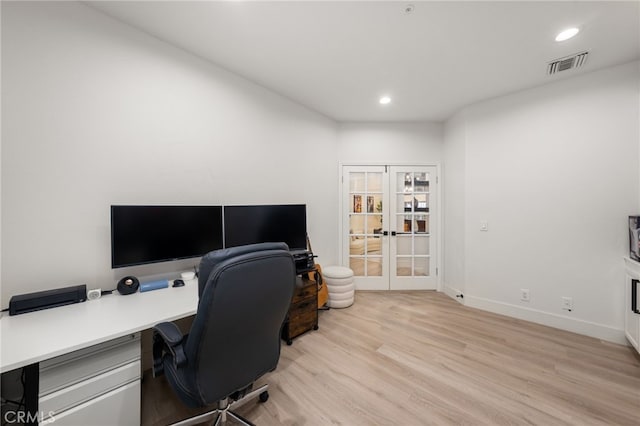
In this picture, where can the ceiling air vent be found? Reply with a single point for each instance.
(567, 63)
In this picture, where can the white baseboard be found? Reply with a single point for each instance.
(453, 293)
(587, 328)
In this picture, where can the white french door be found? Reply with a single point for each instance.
(365, 197)
(388, 226)
(412, 244)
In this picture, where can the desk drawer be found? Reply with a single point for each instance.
(74, 367)
(119, 407)
(85, 390)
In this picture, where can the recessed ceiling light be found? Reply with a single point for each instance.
(385, 100)
(567, 34)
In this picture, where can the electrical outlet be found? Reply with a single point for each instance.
(484, 225)
(567, 303)
(524, 294)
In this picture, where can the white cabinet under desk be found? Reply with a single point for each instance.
(74, 385)
(631, 302)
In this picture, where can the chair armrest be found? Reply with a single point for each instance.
(167, 338)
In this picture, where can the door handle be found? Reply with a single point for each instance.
(393, 233)
(385, 233)
(634, 296)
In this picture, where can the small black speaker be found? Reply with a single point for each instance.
(128, 285)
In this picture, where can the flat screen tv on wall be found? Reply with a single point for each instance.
(150, 234)
(265, 224)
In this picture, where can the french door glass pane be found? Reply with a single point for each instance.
(404, 243)
(422, 223)
(374, 224)
(356, 182)
(374, 182)
(374, 266)
(356, 224)
(421, 266)
(356, 203)
(356, 264)
(404, 203)
(421, 245)
(356, 247)
(403, 223)
(421, 202)
(404, 183)
(374, 246)
(403, 266)
(421, 182)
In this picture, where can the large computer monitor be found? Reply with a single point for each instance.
(266, 223)
(149, 234)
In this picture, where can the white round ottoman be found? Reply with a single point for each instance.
(340, 286)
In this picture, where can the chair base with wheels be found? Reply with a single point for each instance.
(224, 410)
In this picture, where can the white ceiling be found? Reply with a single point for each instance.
(339, 57)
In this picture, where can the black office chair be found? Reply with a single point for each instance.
(245, 293)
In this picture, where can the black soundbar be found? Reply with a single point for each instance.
(30, 302)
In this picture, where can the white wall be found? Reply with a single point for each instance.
(1, 183)
(380, 143)
(554, 171)
(454, 200)
(97, 113)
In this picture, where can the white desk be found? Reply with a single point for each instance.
(631, 318)
(29, 338)
(46, 337)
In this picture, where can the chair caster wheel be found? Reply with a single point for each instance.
(289, 342)
(263, 396)
(315, 327)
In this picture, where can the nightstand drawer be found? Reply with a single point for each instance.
(304, 290)
(303, 312)
(304, 318)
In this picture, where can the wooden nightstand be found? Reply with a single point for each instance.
(303, 312)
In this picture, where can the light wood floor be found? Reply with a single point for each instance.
(420, 358)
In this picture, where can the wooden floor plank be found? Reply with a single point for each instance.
(421, 358)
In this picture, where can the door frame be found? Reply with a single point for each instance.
(438, 222)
